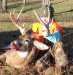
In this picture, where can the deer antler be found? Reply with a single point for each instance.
(20, 13)
(35, 13)
(14, 20)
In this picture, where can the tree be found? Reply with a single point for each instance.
(48, 8)
(0, 5)
(45, 2)
(4, 5)
(24, 2)
(45, 6)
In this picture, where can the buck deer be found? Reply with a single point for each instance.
(14, 57)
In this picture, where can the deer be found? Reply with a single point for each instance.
(16, 58)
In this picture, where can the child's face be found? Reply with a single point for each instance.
(46, 20)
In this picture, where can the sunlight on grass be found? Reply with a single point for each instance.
(27, 7)
(64, 6)
(6, 26)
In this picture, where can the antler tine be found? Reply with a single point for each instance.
(20, 13)
(14, 11)
(37, 16)
(9, 13)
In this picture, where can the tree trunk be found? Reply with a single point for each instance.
(4, 5)
(28, 1)
(0, 5)
(45, 4)
(24, 2)
(48, 8)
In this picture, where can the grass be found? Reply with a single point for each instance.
(27, 7)
(6, 26)
(63, 12)
(64, 6)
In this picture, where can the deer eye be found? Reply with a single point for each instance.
(26, 42)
